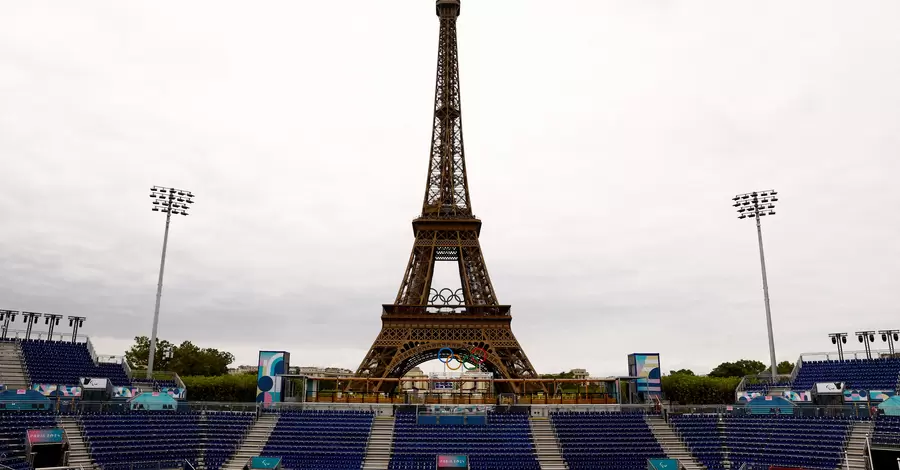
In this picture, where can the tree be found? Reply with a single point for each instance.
(186, 358)
(738, 368)
(785, 367)
(139, 354)
(682, 372)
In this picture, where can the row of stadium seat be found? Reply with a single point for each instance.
(504, 442)
(318, 439)
(13, 425)
(605, 441)
(857, 374)
(813, 443)
(65, 363)
(336, 440)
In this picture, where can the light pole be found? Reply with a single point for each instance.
(7, 316)
(840, 339)
(51, 319)
(756, 205)
(890, 337)
(31, 318)
(170, 201)
(867, 338)
(76, 323)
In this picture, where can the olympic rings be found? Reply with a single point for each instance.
(464, 359)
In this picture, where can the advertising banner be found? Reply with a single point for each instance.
(45, 436)
(646, 367)
(830, 388)
(662, 464)
(264, 463)
(452, 461)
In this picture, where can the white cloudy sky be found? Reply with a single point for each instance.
(604, 142)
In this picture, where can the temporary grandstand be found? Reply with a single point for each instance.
(780, 426)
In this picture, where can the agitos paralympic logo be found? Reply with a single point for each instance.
(473, 357)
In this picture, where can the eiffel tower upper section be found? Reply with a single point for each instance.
(447, 230)
(447, 190)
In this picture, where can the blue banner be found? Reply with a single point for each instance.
(662, 464)
(264, 463)
(452, 461)
(45, 436)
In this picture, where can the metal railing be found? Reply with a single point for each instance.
(12, 334)
(833, 355)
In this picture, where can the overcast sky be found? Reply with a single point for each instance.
(604, 143)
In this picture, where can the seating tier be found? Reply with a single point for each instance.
(142, 439)
(502, 443)
(320, 439)
(701, 434)
(887, 431)
(859, 374)
(13, 427)
(64, 363)
(789, 441)
(605, 441)
(223, 433)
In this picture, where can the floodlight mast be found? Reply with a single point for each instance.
(840, 339)
(6, 316)
(890, 337)
(170, 201)
(756, 205)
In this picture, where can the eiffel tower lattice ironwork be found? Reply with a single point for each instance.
(423, 320)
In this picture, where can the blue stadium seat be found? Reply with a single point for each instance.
(857, 374)
(64, 363)
(142, 439)
(605, 441)
(320, 439)
(701, 434)
(13, 425)
(887, 431)
(789, 441)
(502, 443)
(222, 435)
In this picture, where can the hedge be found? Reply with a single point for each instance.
(222, 388)
(681, 389)
(697, 390)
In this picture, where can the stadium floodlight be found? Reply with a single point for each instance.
(30, 318)
(7, 316)
(867, 338)
(51, 319)
(840, 339)
(170, 201)
(890, 337)
(76, 323)
(757, 205)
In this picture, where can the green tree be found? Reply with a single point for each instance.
(186, 358)
(139, 354)
(785, 367)
(738, 368)
(682, 372)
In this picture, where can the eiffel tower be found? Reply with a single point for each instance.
(423, 319)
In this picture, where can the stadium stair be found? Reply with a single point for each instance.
(381, 442)
(546, 445)
(79, 455)
(856, 445)
(12, 367)
(254, 442)
(673, 446)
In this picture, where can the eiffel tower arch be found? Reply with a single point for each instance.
(424, 318)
